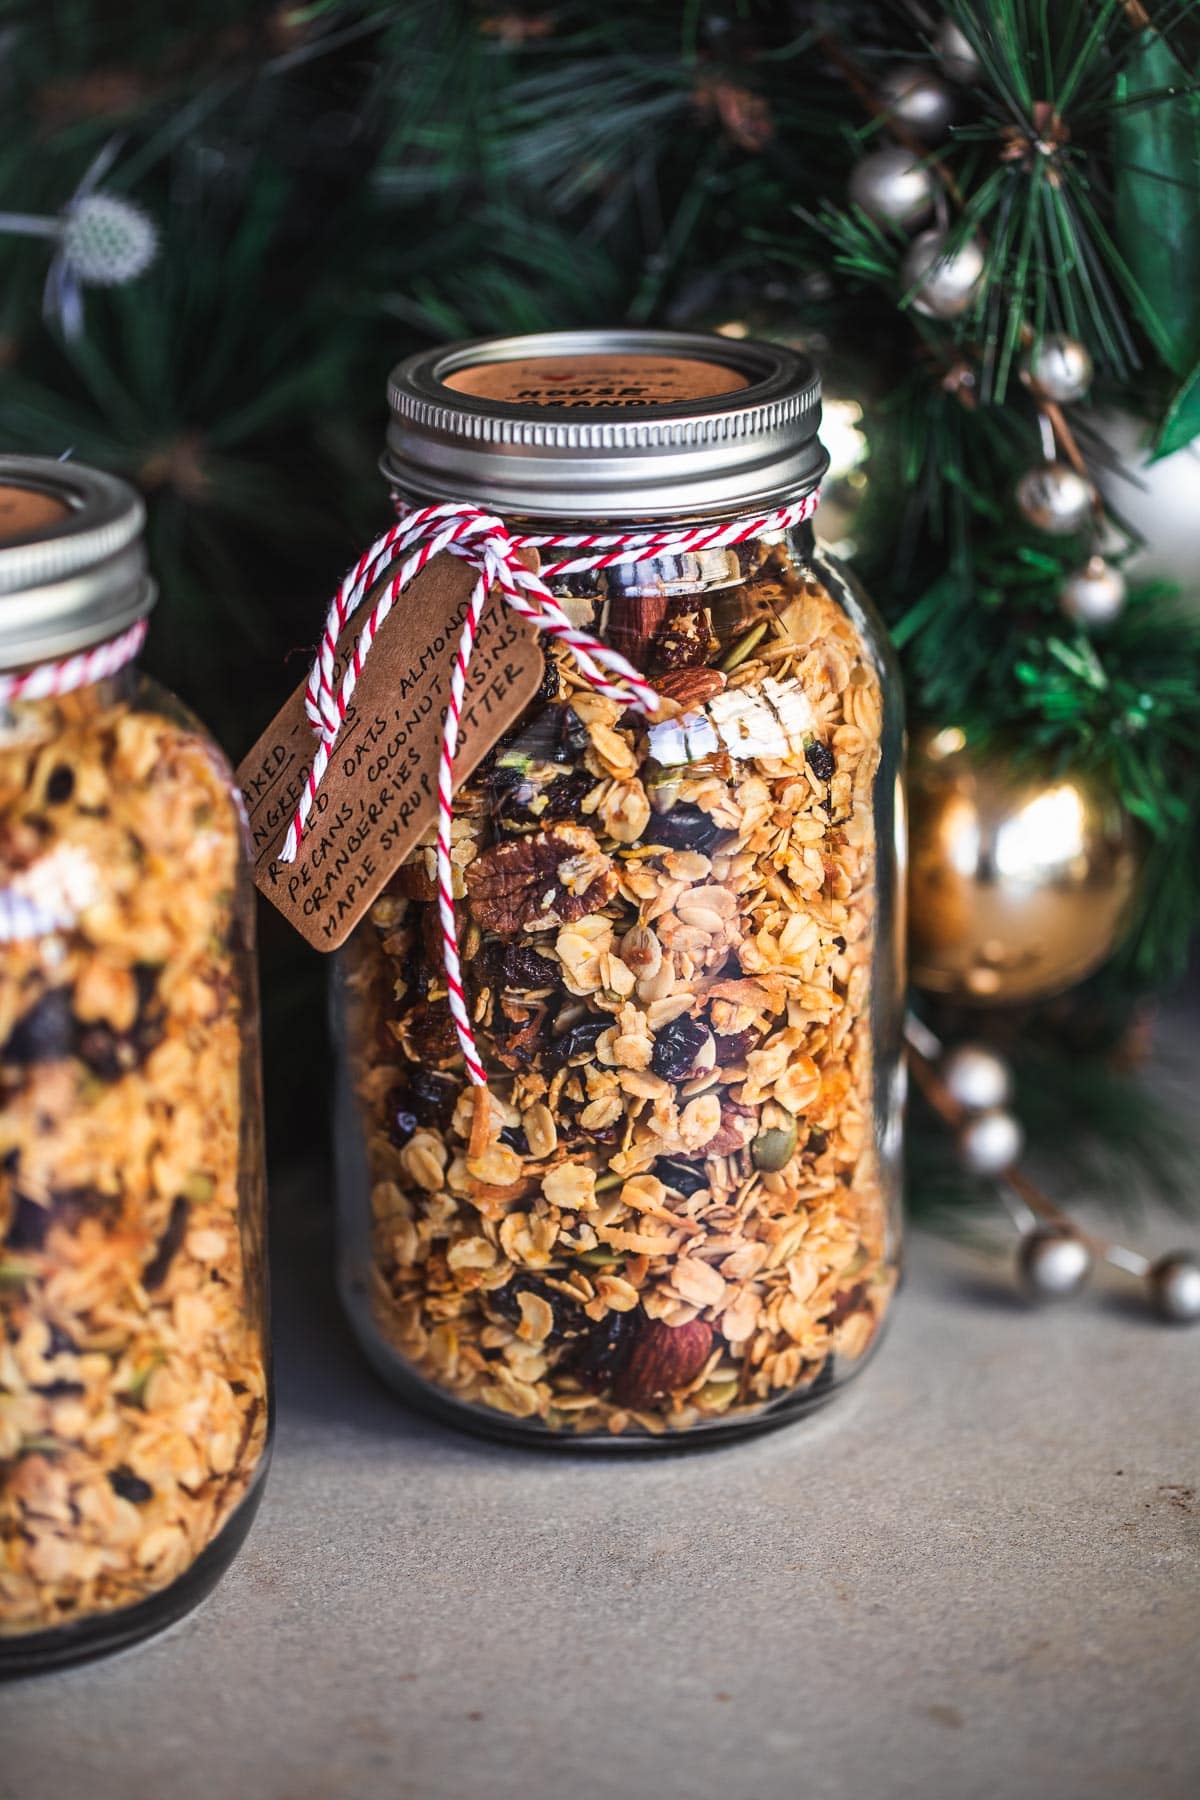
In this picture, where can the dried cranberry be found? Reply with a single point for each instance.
(819, 758)
(676, 1048)
(685, 827)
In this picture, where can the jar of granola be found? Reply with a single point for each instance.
(675, 1215)
(134, 1406)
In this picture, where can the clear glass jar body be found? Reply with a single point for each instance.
(134, 1401)
(679, 1216)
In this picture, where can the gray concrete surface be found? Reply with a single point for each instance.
(975, 1578)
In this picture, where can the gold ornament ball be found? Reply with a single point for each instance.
(1020, 877)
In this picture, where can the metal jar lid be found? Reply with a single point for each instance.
(613, 425)
(72, 561)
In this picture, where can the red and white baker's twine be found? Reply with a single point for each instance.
(484, 541)
(48, 895)
(48, 680)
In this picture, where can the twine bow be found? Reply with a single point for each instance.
(484, 541)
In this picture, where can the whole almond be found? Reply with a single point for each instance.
(664, 1358)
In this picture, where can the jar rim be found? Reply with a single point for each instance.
(660, 425)
(74, 578)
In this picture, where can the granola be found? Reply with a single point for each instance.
(668, 1209)
(133, 1389)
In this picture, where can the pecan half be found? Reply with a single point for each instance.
(546, 880)
(690, 687)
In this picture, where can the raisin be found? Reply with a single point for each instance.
(685, 827)
(685, 1177)
(525, 968)
(734, 1045)
(128, 1486)
(851, 1300)
(550, 681)
(819, 758)
(60, 1390)
(603, 1350)
(61, 784)
(569, 1316)
(402, 1123)
(578, 1044)
(46, 1033)
(519, 1032)
(514, 1137)
(155, 1272)
(30, 1224)
(676, 1048)
(566, 793)
(574, 733)
(433, 1096)
(107, 1053)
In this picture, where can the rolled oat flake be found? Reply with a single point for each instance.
(619, 1131)
(134, 1410)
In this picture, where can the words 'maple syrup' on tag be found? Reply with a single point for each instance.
(379, 795)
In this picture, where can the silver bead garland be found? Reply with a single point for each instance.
(1093, 596)
(944, 282)
(892, 186)
(1055, 498)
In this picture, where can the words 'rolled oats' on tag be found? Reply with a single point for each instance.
(379, 795)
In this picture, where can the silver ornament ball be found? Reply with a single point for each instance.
(1094, 595)
(1055, 498)
(915, 97)
(1175, 1288)
(952, 47)
(1059, 368)
(976, 1077)
(990, 1142)
(892, 186)
(943, 283)
(1052, 1263)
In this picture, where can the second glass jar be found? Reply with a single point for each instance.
(681, 945)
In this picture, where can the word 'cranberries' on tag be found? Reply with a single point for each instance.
(379, 795)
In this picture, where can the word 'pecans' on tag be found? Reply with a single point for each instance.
(379, 794)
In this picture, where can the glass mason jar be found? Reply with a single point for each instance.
(682, 942)
(134, 1403)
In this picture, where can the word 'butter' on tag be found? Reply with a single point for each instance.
(379, 794)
